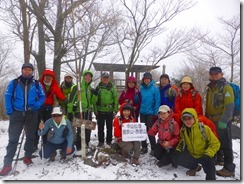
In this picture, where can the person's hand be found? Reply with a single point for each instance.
(68, 150)
(165, 144)
(222, 125)
(41, 125)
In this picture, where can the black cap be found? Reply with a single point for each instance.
(147, 75)
(105, 74)
(215, 70)
(27, 65)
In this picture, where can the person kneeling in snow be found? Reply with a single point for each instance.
(59, 135)
(198, 145)
(130, 146)
(168, 135)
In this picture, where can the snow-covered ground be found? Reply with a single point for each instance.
(75, 169)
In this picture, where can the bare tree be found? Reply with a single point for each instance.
(222, 49)
(145, 20)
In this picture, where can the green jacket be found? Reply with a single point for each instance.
(107, 98)
(66, 90)
(191, 139)
(86, 96)
(220, 103)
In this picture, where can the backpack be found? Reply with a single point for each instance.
(17, 80)
(173, 87)
(237, 97)
(171, 125)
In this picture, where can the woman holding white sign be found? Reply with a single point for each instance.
(126, 146)
(168, 135)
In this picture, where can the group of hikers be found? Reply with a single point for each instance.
(185, 135)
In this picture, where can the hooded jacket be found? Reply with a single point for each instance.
(150, 97)
(86, 96)
(54, 89)
(132, 94)
(118, 121)
(193, 140)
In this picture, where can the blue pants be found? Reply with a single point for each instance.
(49, 148)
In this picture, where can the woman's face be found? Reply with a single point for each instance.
(131, 84)
(188, 121)
(163, 115)
(186, 86)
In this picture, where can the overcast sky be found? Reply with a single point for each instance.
(205, 15)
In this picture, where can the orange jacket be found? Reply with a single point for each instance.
(187, 99)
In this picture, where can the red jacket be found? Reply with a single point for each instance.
(118, 121)
(165, 132)
(54, 89)
(187, 99)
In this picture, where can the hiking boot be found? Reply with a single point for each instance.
(219, 163)
(174, 165)
(52, 157)
(194, 171)
(125, 155)
(6, 170)
(27, 160)
(109, 143)
(159, 164)
(144, 150)
(152, 153)
(62, 155)
(135, 161)
(225, 173)
(100, 144)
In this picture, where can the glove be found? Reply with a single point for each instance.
(70, 116)
(222, 125)
(32, 108)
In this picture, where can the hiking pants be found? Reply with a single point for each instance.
(49, 148)
(186, 160)
(132, 146)
(101, 118)
(17, 121)
(163, 155)
(86, 116)
(148, 120)
(226, 146)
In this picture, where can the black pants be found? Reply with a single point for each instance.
(163, 155)
(148, 120)
(101, 118)
(86, 116)
(17, 121)
(185, 159)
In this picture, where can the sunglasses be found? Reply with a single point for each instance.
(56, 115)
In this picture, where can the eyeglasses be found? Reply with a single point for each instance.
(187, 119)
(56, 115)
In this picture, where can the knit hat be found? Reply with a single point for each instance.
(68, 75)
(27, 65)
(147, 75)
(215, 70)
(127, 107)
(187, 114)
(105, 74)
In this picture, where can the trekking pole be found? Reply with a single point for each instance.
(42, 151)
(17, 158)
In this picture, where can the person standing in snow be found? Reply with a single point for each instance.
(168, 135)
(197, 145)
(23, 97)
(131, 95)
(87, 98)
(128, 146)
(59, 135)
(105, 108)
(149, 107)
(220, 109)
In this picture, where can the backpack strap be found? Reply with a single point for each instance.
(202, 130)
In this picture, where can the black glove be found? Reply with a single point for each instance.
(94, 91)
(70, 116)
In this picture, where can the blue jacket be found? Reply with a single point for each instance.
(15, 99)
(168, 95)
(150, 99)
(58, 137)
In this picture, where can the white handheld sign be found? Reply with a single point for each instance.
(134, 132)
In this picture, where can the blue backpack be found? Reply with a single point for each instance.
(237, 98)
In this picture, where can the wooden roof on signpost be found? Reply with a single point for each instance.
(122, 67)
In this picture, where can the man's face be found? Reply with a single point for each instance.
(57, 118)
(146, 80)
(48, 78)
(27, 71)
(215, 76)
(68, 79)
(105, 80)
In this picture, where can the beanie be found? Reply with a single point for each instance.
(147, 75)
